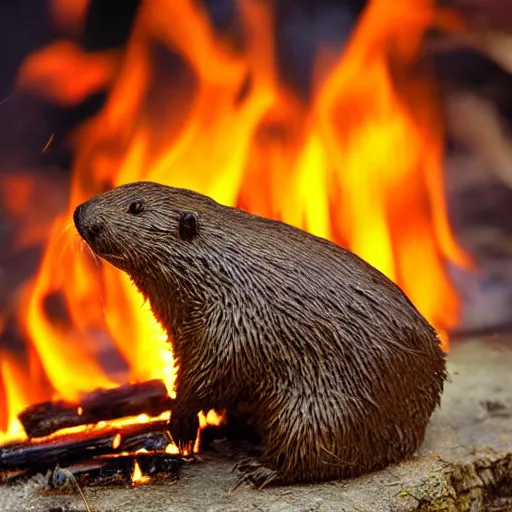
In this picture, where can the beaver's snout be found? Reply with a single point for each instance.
(88, 225)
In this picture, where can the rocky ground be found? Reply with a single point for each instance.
(464, 465)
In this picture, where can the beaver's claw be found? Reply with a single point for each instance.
(184, 432)
(255, 473)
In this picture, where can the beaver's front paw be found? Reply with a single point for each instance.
(255, 473)
(184, 430)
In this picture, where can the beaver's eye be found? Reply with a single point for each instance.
(188, 225)
(136, 207)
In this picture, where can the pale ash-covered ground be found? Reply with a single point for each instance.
(465, 460)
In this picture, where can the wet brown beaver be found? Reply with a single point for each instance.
(341, 371)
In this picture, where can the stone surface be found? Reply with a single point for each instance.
(464, 464)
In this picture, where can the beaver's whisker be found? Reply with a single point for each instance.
(64, 230)
(94, 257)
(69, 240)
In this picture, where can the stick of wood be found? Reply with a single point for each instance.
(116, 470)
(148, 397)
(40, 455)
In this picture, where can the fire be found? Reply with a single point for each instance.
(14, 397)
(137, 477)
(360, 163)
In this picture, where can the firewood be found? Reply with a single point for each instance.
(116, 470)
(149, 398)
(38, 456)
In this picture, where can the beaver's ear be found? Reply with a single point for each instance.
(189, 225)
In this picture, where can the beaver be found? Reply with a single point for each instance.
(340, 371)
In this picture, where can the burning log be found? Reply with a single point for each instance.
(41, 455)
(45, 418)
(117, 470)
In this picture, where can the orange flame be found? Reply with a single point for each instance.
(361, 164)
(14, 398)
(137, 477)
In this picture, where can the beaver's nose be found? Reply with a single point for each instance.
(88, 225)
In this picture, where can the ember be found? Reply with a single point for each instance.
(361, 163)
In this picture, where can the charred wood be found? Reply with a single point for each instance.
(149, 398)
(116, 470)
(44, 454)
(39, 457)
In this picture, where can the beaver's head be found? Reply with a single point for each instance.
(161, 236)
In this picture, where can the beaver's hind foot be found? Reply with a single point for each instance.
(255, 473)
(183, 430)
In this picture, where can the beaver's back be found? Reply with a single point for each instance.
(333, 354)
(314, 280)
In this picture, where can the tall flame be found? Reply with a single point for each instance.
(361, 163)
